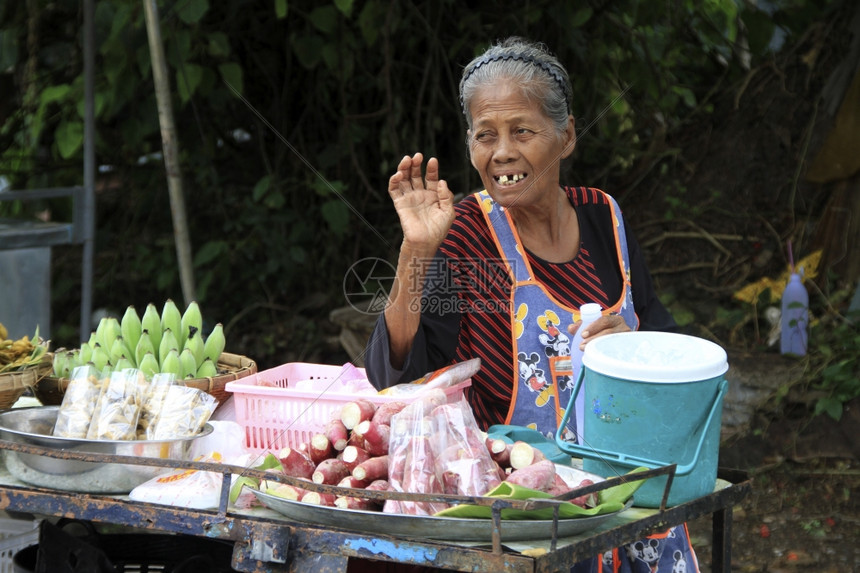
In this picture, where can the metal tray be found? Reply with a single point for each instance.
(428, 527)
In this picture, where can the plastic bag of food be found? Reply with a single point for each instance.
(118, 409)
(436, 447)
(438, 379)
(462, 459)
(152, 400)
(79, 403)
(184, 413)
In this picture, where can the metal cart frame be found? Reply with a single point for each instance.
(278, 545)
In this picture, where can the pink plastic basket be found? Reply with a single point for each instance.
(276, 415)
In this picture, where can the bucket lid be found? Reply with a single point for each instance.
(655, 357)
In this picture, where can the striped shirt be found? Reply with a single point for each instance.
(467, 297)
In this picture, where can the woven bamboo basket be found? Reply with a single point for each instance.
(50, 389)
(14, 384)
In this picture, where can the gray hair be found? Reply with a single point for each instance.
(529, 65)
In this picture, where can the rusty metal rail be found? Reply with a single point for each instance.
(264, 545)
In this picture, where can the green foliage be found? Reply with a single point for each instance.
(292, 116)
(834, 352)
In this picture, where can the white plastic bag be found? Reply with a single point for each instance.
(191, 489)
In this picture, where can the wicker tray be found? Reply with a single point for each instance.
(50, 389)
(14, 384)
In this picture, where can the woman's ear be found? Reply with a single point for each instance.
(569, 137)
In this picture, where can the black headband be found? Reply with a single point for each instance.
(545, 66)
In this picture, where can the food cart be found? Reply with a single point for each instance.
(266, 541)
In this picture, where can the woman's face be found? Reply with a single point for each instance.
(515, 147)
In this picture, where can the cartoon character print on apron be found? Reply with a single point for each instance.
(543, 382)
(544, 377)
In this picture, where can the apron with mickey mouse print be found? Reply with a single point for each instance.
(544, 380)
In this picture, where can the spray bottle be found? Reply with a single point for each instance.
(588, 312)
(795, 313)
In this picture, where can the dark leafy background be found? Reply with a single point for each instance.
(700, 117)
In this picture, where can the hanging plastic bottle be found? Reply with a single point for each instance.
(588, 313)
(795, 317)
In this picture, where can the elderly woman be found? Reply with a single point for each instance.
(500, 274)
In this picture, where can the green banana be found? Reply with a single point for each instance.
(60, 364)
(144, 345)
(149, 365)
(188, 363)
(74, 359)
(171, 319)
(214, 345)
(130, 327)
(195, 344)
(122, 364)
(119, 349)
(171, 365)
(99, 333)
(207, 369)
(168, 343)
(100, 358)
(151, 322)
(112, 331)
(191, 318)
(85, 354)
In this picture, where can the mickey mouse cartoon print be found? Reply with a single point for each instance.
(647, 551)
(532, 376)
(554, 340)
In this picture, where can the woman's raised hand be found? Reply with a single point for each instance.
(424, 204)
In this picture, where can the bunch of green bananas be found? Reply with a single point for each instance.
(22, 353)
(169, 341)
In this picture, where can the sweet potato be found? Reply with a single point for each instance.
(336, 433)
(372, 469)
(295, 463)
(330, 471)
(376, 437)
(350, 502)
(386, 410)
(500, 451)
(353, 482)
(559, 486)
(353, 455)
(285, 491)
(320, 448)
(319, 498)
(524, 454)
(539, 476)
(588, 500)
(355, 412)
(378, 485)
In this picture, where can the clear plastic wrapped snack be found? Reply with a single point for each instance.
(118, 408)
(152, 400)
(79, 403)
(184, 412)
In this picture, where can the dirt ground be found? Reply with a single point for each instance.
(804, 510)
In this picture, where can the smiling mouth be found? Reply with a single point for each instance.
(512, 179)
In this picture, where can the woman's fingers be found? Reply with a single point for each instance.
(409, 176)
(415, 173)
(432, 180)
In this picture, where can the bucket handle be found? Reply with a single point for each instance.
(624, 459)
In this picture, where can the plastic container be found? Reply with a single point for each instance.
(588, 313)
(654, 399)
(276, 415)
(15, 535)
(794, 321)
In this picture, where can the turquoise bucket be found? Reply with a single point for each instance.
(652, 399)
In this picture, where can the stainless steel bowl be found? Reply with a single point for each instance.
(33, 426)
